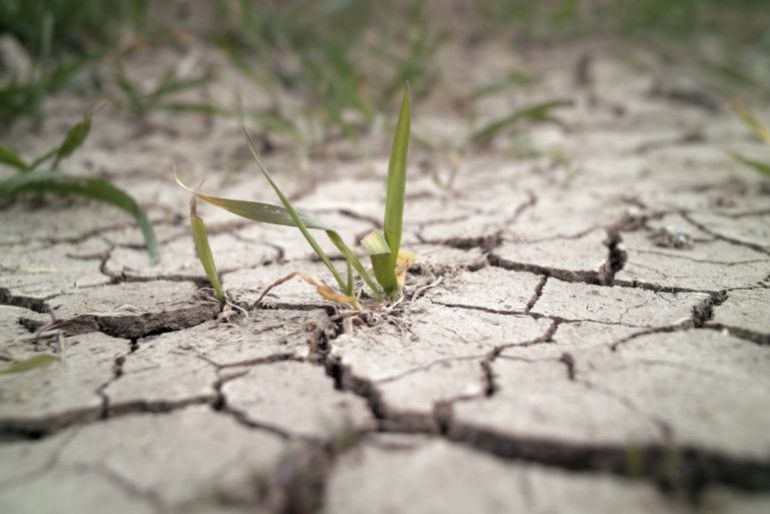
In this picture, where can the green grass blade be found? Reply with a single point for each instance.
(537, 112)
(276, 215)
(12, 159)
(38, 361)
(132, 92)
(94, 188)
(296, 218)
(382, 261)
(351, 258)
(751, 121)
(171, 84)
(41, 159)
(255, 211)
(394, 200)
(76, 136)
(202, 248)
(758, 166)
(207, 109)
(513, 79)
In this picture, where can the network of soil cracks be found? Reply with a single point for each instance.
(589, 333)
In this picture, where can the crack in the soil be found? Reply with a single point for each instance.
(757, 248)
(701, 314)
(25, 302)
(741, 333)
(616, 257)
(568, 360)
(134, 326)
(149, 497)
(701, 261)
(696, 468)
(663, 427)
(533, 315)
(536, 295)
(604, 275)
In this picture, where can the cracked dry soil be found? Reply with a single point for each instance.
(559, 351)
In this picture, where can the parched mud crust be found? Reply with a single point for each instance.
(584, 338)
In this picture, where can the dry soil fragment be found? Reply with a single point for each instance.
(79, 489)
(159, 376)
(64, 392)
(536, 401)
(177, 460)
(468, 229)
(433, 334)
(10, 327)
(708, 265)
(178, 258)
(446, 258)
(297, 398)
(247, 285)
(583, 258)
(54, 221)
(265, 335)
(711, 389)
(563, 214)
(132, 309)
(488, 288)
(746, 310)
(572, 337)
(619, 305)
(750, 230)
(428, 476)
(43, 273)
(411, 401)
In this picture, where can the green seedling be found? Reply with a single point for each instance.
(416, 65)
(760, 131)
(140, 102)
(304, 33)
(24, 93)
(512, 79)
(540, 112)
(24, 98)
(203, 250)
(389, 263)
(43, 174)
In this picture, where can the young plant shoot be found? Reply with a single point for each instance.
(203, 250)
(43, 174)
(389, 262)
(760, 131)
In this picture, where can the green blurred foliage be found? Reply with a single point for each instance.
(78, 26)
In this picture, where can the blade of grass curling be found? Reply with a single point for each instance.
(396, 185)
(94, 188)
(255, 211)
(203, 249)
(298, 222)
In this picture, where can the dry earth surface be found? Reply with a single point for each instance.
(580, 336)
